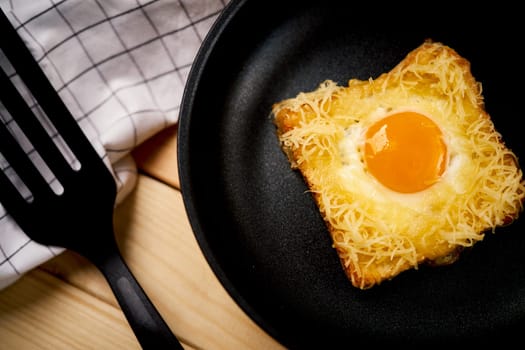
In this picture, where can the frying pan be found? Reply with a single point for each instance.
(252, 216)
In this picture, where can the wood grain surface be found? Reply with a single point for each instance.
(66, 303)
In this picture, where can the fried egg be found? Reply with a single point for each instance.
(407, 168)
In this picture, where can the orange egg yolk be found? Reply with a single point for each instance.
(405, 152)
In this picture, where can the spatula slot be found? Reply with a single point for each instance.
(34, 131)
(32, 154)
(13, 177)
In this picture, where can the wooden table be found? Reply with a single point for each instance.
(67, 304)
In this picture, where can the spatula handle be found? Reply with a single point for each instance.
(151, 330)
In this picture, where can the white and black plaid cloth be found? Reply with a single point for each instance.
(120, 66)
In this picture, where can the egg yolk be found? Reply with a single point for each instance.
(405, 152)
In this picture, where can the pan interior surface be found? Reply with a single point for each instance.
(257, 224)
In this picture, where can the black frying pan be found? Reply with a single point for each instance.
(261, 232)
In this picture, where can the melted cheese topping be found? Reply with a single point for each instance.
(376, 231)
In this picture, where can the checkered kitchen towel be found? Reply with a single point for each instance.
(120, 66)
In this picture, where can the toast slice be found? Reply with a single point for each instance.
(377, 231)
